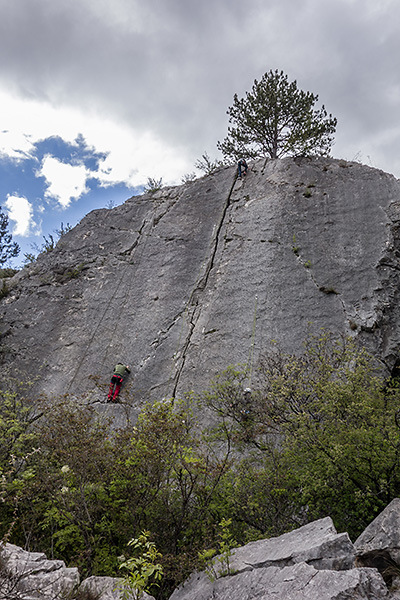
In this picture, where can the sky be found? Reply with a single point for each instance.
(98, 96)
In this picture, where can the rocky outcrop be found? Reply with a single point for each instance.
(379, 545)
(181, 282)
(30, 576)
(317, 544)
(313, 562)
(298, 582)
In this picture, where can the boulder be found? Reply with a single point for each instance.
(297, 582)
(31, 576)
(379, 546)
(382, 535)
(316, 543)
(313, 561)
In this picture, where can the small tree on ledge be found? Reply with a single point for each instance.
(277, 119)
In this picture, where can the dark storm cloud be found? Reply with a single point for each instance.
(172, 67)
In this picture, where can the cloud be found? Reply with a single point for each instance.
(150, 82)
(65, 182)
(20, 211)
(131, 156)
(15, 145)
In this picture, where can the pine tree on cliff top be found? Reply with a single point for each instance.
(277, 119)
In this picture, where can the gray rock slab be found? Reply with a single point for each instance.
(297, 582)
(172, 283)
(33, 576)
(316, 543)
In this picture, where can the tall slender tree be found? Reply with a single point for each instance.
(277, 119)
(8, 248)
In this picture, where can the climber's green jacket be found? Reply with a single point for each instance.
(121, 370)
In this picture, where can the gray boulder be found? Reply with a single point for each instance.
(312, 562)
(297, 582)
(30, 576)
(382, 535)
(316, 543)
(379, 546)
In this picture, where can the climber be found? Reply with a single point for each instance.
(246, 403)
(120, 372)
(242, 164)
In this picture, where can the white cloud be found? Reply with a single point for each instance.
(15, 145)
(19, 210)
(65, 182)
(132, 156)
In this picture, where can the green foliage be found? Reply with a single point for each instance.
(64, 229)
(143, 570)
(49, 244)
(220, 565)
(5, 273)
(277, 119)
(74, 273)
(17, 447)
(326, 429)
(29, 258)
(295, 247)
(93, 489)
(318, 434)
(8, 248)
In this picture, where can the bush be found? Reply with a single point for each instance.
(324, 428)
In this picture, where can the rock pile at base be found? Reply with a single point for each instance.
(313, 562)
(31, 576)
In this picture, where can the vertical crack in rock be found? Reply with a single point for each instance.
(194, 299)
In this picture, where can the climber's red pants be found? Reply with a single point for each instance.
(117, 381)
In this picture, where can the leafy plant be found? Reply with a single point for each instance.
(324, 426)
(143, 570)
(4, 291)
(219, 566)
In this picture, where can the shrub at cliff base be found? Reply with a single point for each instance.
(321, 432)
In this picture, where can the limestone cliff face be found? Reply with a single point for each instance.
(184, 281)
